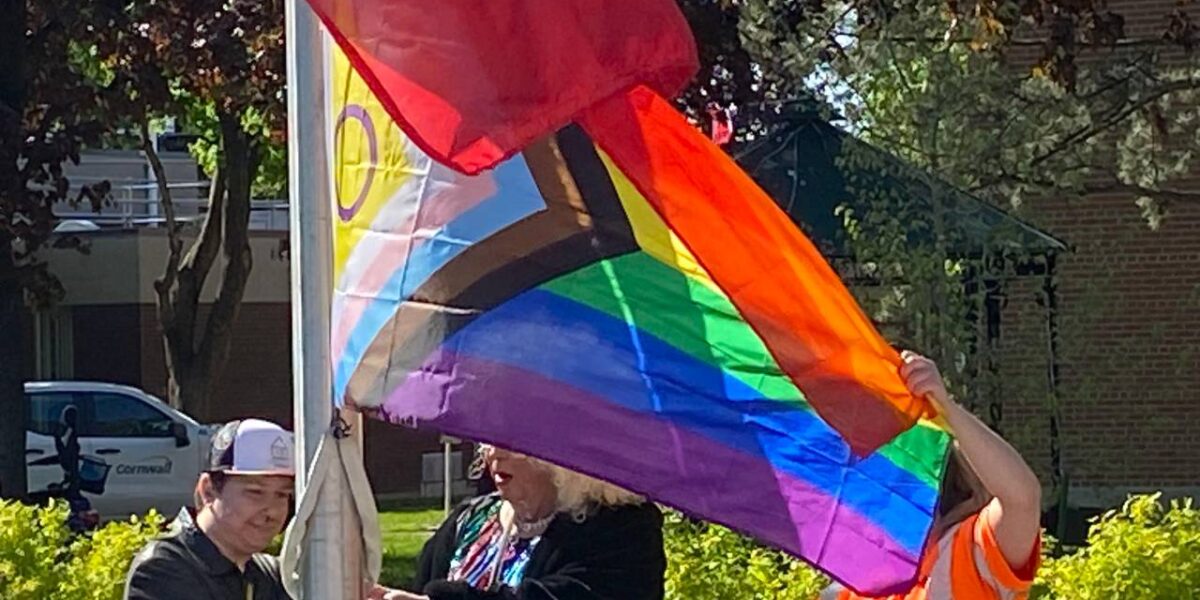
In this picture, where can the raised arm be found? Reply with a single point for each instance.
(1016, 490)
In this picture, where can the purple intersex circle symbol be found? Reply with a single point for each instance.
(356, 111)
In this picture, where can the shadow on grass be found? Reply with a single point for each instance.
(397, 571)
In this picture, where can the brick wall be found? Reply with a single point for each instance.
(392, 455)
(1023, 363)
(257, 377)
(1130, 337)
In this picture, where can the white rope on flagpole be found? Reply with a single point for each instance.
(297, 530)
(335, 452)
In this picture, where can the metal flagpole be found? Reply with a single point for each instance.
(447, 474)
(330, 564)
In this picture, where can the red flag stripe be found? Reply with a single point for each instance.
(474, 82)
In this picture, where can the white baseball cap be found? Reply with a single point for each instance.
(253, 447)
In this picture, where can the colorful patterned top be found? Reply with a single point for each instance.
(481, 540)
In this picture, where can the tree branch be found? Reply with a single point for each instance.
(879, 136)
(200, 257)
(1109, 187)
(1159, 193)
(163, 285)
(1155, 42)
(1087, 133)
(177, 332)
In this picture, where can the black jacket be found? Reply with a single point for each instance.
(615, 554)
(186, 565)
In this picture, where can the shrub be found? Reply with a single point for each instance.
(1146, 550)
(710, 561)
(40, 557)
(1143, 551)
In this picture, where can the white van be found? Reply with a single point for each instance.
(134, 451)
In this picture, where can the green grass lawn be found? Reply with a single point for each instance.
(404, 532)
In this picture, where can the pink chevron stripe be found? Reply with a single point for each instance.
(435, 211)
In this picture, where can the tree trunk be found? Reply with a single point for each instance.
(12, 56)
(189, 389)
(197, 349)
(12, 189)
(12, 392)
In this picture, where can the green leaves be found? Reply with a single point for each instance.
(32, 543)
(40, 558)
(710, 561)
(270, 179)
(954, 89)
(1148, 550)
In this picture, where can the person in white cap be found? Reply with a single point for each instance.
(242, 503)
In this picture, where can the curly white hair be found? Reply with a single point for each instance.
(579, 495)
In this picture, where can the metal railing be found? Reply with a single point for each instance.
(136, 204)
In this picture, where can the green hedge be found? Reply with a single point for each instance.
(41, 559)
(1147, 550)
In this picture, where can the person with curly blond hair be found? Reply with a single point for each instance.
(546, 533)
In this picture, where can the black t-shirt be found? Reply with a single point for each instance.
(186, 565)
